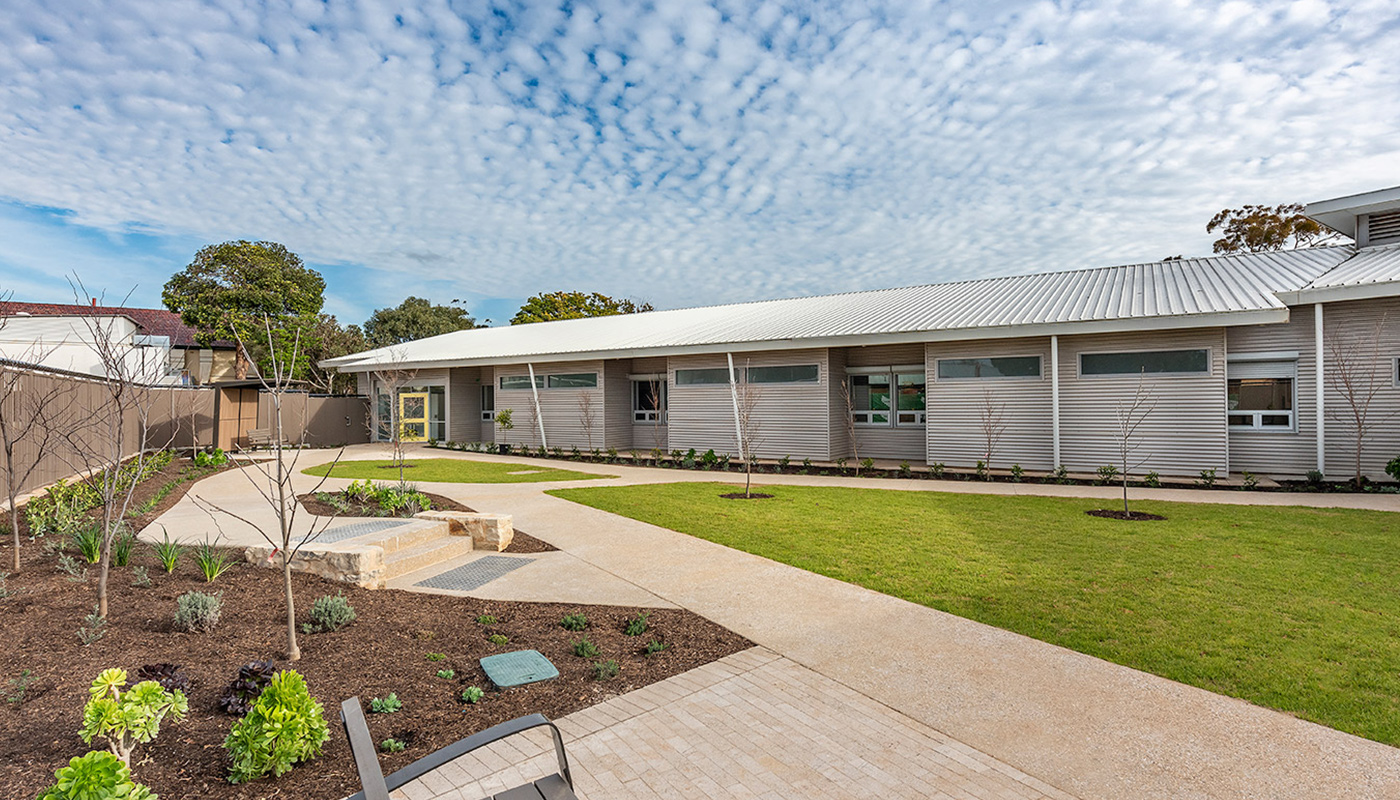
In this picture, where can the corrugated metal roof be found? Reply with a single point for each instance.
(1231, 284)
(1371, 265)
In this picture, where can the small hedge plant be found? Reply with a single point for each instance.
(96, 776)
(197, 612)
(286, 726)
(329, 613)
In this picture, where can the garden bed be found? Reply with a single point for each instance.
(385, 650)
(521, 543)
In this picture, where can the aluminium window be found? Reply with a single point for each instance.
(649, 401)
(488, 402)
(1151, 362)
(882, 399)
(802, 373)
(987, 368)
(702, 377)
(520, 382)
(575, 380)
(1261, 396)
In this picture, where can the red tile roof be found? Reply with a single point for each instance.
(151, 321)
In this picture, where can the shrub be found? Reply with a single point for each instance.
(472, 695)
(604, 670)
(211, 561)
(486, 619)
(806, 465)
(385, 705)
(1152, 480)
(708, 460)
(170, 676)
(168, 553)
(197, 612)
(128, 717)
(1017, 473)
(139, 579)
(500, 640)
(982, 473)
(94, 627)
(122, 546)
(654, 647)
(248, 684)
(1315, 477)
(285, 726)
(867, 464)
(905, 471)
(87, 540)
(76, 572)
(1060, 475)
(1106, 474)
(935, 470)
(436, 656)
(636, 626)
(1207, 478)
(584, 648)
(213, 458)
(392, 745)
(330, 613)
(447, 674)
(1392, 468)
(99, 775)
(361, 491)
(1249, 480)
(573, 622)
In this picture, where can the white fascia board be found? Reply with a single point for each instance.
(1338, 294)
(1263, 316)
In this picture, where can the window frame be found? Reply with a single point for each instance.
(816, 379)
(696, 370)
(1038, 376)
(893, 413)
(488, 414)
(1285, 369)
(525, 377)
(1207, 372)
(649, 416)
(549, 379)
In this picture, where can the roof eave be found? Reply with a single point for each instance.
(1339, 294)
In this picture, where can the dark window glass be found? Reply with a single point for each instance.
(510, 382)
(805, 373)
(702, 377)
(997, 367)
(1151, 362)
(578, 380)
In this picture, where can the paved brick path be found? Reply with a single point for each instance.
(753, 725)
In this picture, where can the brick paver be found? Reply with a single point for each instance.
(753, 725)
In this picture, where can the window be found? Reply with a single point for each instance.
(576, 380)
(517, 382)
(805, 373)
(1262, 404)
(436, 411)
(383, 417)
(1150, 362)
(997, 367)
(887, 398)
(702, 377)
(488, 402)
(649, 401)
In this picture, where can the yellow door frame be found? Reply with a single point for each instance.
(405, 434)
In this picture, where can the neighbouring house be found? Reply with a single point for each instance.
(162, 347)
(1254, 362)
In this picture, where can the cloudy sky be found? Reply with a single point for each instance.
(677, 151)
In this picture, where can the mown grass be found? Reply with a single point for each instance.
(450, 470)
(1291, 608)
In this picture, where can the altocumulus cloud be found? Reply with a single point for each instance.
(690, 152)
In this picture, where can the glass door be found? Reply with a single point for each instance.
(413, 416)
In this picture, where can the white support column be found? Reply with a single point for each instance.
(1319, 377)
(734, 396)
(539, 417)
(1055, 397)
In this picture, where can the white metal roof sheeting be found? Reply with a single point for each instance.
(1198, 286)
(1371, 265)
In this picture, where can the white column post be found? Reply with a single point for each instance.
(734, 396)
(1320, 377)
(1055, 397)
(539, 417)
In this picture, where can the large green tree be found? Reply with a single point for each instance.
(574, 305)
(238, 290)
(414, 318)
(327, 339)
(1259, 229)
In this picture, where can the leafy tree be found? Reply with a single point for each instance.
(1261, 229)
(574, 305)
(327, 339)
(415, 318)
(258, 292)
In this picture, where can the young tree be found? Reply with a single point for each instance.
(238, 290)
(587, 414)
(1129, 416)
(413, 319)
(1358, 371)
(1259, 229)
(272, 479)
(992, 421)
(31, 408)
(747, 426)
(389, 377)
(574, 305)
(850, 421)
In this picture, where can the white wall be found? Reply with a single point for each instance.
(67, 343)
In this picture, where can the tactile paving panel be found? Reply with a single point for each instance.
(474, 575)
(354, 529)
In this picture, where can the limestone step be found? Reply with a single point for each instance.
(425, 554)
(407, 536)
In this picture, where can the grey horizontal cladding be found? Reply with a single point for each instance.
(791, 419)
(564, 425)
(464, 404)
(617, 404)
(956, 435)
(1267, 452)
(903, 443)
(1183, 434)
(884, 355)
(838, 421)
(1368, 334)
(649, 436)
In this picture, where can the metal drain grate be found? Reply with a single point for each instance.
(474, 575)
(359, 529)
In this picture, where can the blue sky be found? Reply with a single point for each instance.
(676, 151)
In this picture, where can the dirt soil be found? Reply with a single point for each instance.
(1133, 516)
(521, 543)
(384, 651)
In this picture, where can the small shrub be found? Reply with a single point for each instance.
(433, 443)
(784, 462)
(98, 775)
(1315, 477)
(238, 697)
(139, 578)
(211, 560)
(361, 491)
(472, 694)
(212, 458)
(1152, 480)
(77, 573)
(982, 473)
(1207, 478)
(285, 726)
(867, 464)
(171, 677)
(1060, 475)
(1106, 474)
(654, 647)
(583, 648)
(841, 464)
(5, 591)
(122, 546)
(612, 455)
(168, 553)
(330, 613)
(126, 717)
(447, 674)
(197, 612)
(905, 471)
(637, 625)
(1017, 473)
(94, 627)
(604, 670)
(392, 745)
(573, 622)
(806, 466)
(709, 459)
(500, 640)
(436, 656)
(486, 619)
(935, 470)
(18, 687)
(385, 705)
(87, 540)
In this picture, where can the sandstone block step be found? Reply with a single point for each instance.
(425, 554)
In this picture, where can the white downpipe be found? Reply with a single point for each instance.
(1320, 387)
(539, 417)
(734, 396)
(1055, 397)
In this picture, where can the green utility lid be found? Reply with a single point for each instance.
(518, 668)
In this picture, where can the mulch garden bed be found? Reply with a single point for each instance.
(521, 543)
(1132, 516)
(385, 650)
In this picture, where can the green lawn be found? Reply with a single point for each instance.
(1292, 608)
(451, 470)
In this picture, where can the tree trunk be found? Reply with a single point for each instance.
(293, 651)
(106, 561)
(240, 362)
(14, 529)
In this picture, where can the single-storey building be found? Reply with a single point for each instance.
(1266, 362)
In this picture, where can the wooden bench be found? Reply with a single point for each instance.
(261, 437)
(559, 786)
